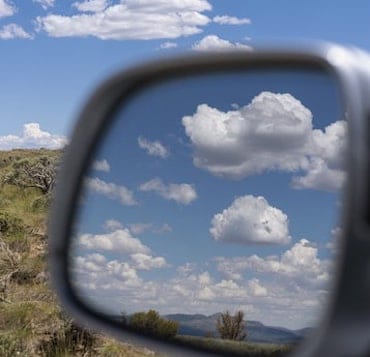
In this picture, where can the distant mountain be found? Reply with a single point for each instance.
(202, 325)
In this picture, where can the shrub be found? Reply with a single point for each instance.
(152, 324)
(231, 327)
(71, 338)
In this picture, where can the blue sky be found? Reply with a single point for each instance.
(217, 193)
(52, 76)
(53, 53)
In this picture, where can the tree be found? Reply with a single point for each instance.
(151, 323)
(231, 327)
(37, 173)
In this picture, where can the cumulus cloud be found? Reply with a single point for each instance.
(94, 273)
(285, 290)
(273, 132)
(325, 167)
(251, 219)
(32, 137)
(181, 193)
(7, 8)
(153, 148)
(129, 19)
(45, 4)
(101, 165)
(147, 262)
(231, 20)
(111, 190)
(119, 241)
(215, 43)
(300, 262)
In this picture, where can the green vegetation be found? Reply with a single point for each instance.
(31, 321)
(152, 324)
(234, 348)
(231, 327)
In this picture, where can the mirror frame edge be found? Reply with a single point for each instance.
(93, 123)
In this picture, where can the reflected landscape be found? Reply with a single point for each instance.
(210, 210)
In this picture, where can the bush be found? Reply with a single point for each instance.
(231, 327)
(10, 225)
(70, 339)
(151, 323)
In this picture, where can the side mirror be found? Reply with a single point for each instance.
(201, 206)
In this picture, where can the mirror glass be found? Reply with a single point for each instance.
(213, 201)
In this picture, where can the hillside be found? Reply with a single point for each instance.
(202, 325)
(31, 322)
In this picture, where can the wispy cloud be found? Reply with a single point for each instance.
(168, 45)
(231, 20)
(11, 31)
(45, 4)
(153, 148)
(91, 5)
(181, 193)
(111, 190)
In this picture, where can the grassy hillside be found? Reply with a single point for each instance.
(31, 322)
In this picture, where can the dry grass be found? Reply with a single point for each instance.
(31, 322)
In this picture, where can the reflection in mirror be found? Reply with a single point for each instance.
(213, 201)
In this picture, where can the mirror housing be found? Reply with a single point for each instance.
(348, 317)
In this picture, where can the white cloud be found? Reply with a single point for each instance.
(45, 4)
(181, 193)
(91, 5)
(147, 262)
(153, 148)
(165, 228)
(139, 228)
(251, 219)
(94, 273)
(130, 19)
(215, 43)
(325, 168)
(112, 225)
(7, 8)
(118, 241)
(286, 290)
(334, 243)
(256, 289)
(32, 137)
(168, 45)
(300, 262)
(101, 165)
(231, 20)
(111, 190)
(12, 31)
(273, 132)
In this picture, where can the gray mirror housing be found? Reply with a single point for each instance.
(343, 330)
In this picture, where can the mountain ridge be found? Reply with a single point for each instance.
(203, 325)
